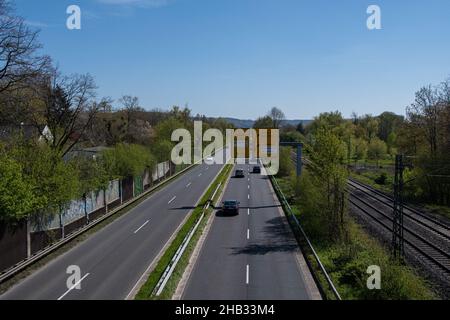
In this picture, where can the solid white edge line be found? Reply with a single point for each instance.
(145, 223)
(170, 201)
(72, 287)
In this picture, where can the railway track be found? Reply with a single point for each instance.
(427, 239)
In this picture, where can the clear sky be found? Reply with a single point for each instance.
(239, 58)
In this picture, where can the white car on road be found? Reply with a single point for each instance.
(209, 160)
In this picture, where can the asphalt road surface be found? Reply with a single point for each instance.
(113, 259)
(251, 255)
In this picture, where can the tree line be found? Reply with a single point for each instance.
(422, 136)
(48, 118)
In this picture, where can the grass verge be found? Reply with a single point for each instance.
(369, 178)
(347, 261)
(146, 291)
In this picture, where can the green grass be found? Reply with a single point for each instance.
(382, 162)
(146, 291)
(440, 210)
(369, 179)
(347, 261)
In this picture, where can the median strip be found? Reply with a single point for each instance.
(22, 269)
(162, 281)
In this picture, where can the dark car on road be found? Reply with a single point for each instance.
(230, 207)
(256, 169)
(239, 173)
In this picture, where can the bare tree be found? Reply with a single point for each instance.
(129, 102)
(424, 114)
(130, 105)
(18, 50)
(277, 116)
(67, 107)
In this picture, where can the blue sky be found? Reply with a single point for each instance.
(239, 58)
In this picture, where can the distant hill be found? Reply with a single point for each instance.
(239, 123)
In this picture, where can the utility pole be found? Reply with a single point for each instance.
(398, 250)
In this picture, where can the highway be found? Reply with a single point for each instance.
(114, 259)
(253, 255)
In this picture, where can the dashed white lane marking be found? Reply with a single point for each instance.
(248, 211)
(188, 185)
(249, 186)
(145, 223)
(248, 196)
(200, 175)
(247, 275)
(73, 287)
(170, 201)
(248, 234)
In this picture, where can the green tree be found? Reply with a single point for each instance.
(162, 150)
(91, 173)
(264, 123)
(126, 160)
(327, 155)
(370, 125)
(55, 182)
(377, 150)
(359, 149)
(286, 164)
(388, 124)
(391, 142)
(17, 199)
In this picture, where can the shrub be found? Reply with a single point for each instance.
(127, 160)
(381, 179)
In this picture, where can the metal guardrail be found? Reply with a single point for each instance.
(316, 257)
(20, 266)
(182, 248)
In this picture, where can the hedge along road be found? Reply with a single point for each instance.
(113, 260)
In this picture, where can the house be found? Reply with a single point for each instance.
(27, 131)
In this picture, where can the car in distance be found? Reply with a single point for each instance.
(256, 169)
(239, 173)
(209, 160)
(230, 207)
